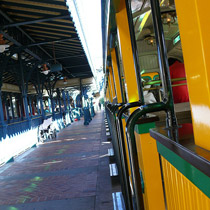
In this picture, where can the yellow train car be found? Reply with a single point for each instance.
(155, 58)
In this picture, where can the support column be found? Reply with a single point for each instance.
(21, 106)
(133, 90)
(33, 109)
(197, 63)
(112, 82)
(57, 103)
(107, 93)
(37, 103)
(25, 105)
(4, 110)
(40, 100)
(41, 105)
(81, 93)
(64, 100)
(69, 106)
(117, 77)
(109, 89)
(59, 99)
(18, 107)
(7, 110)
(12, 108)
(30, 107)
(68, 99)
(125, 47)
(3, 126)
(23, 89)
(52, 106)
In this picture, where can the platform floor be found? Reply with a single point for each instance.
(70, 172)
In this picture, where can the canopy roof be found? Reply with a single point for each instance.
(44, 32)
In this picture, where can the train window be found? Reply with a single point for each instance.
(146, 41)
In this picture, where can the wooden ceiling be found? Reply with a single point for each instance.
(46, 31)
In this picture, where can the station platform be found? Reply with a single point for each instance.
(69, 172)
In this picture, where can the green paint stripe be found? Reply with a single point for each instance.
(198, 178)
(144, 128)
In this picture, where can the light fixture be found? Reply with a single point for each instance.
(169, 18)
(150, 40)
(65, 81)
(45, 70)
(15, 56)
(3, 46)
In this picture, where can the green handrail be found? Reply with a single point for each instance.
(158, 87)
(154, 82)
(131, 141)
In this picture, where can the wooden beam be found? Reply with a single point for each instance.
(35, 21)
(71, 56)
(53, 41)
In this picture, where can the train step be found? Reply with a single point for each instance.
(111, 155)
(110, 152)
(118, 201)
(107, 133)
(113, 170)
(114, 174)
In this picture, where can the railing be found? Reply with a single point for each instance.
(23, 125)
(185, 171)
(17, 126)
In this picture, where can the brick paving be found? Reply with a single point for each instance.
(69, 172)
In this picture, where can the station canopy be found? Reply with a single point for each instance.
(42, 34)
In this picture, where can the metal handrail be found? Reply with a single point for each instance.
(162, 56)
(133, 156)
(115, 107)
(121, 140)
(124, 179)
(122, 154)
